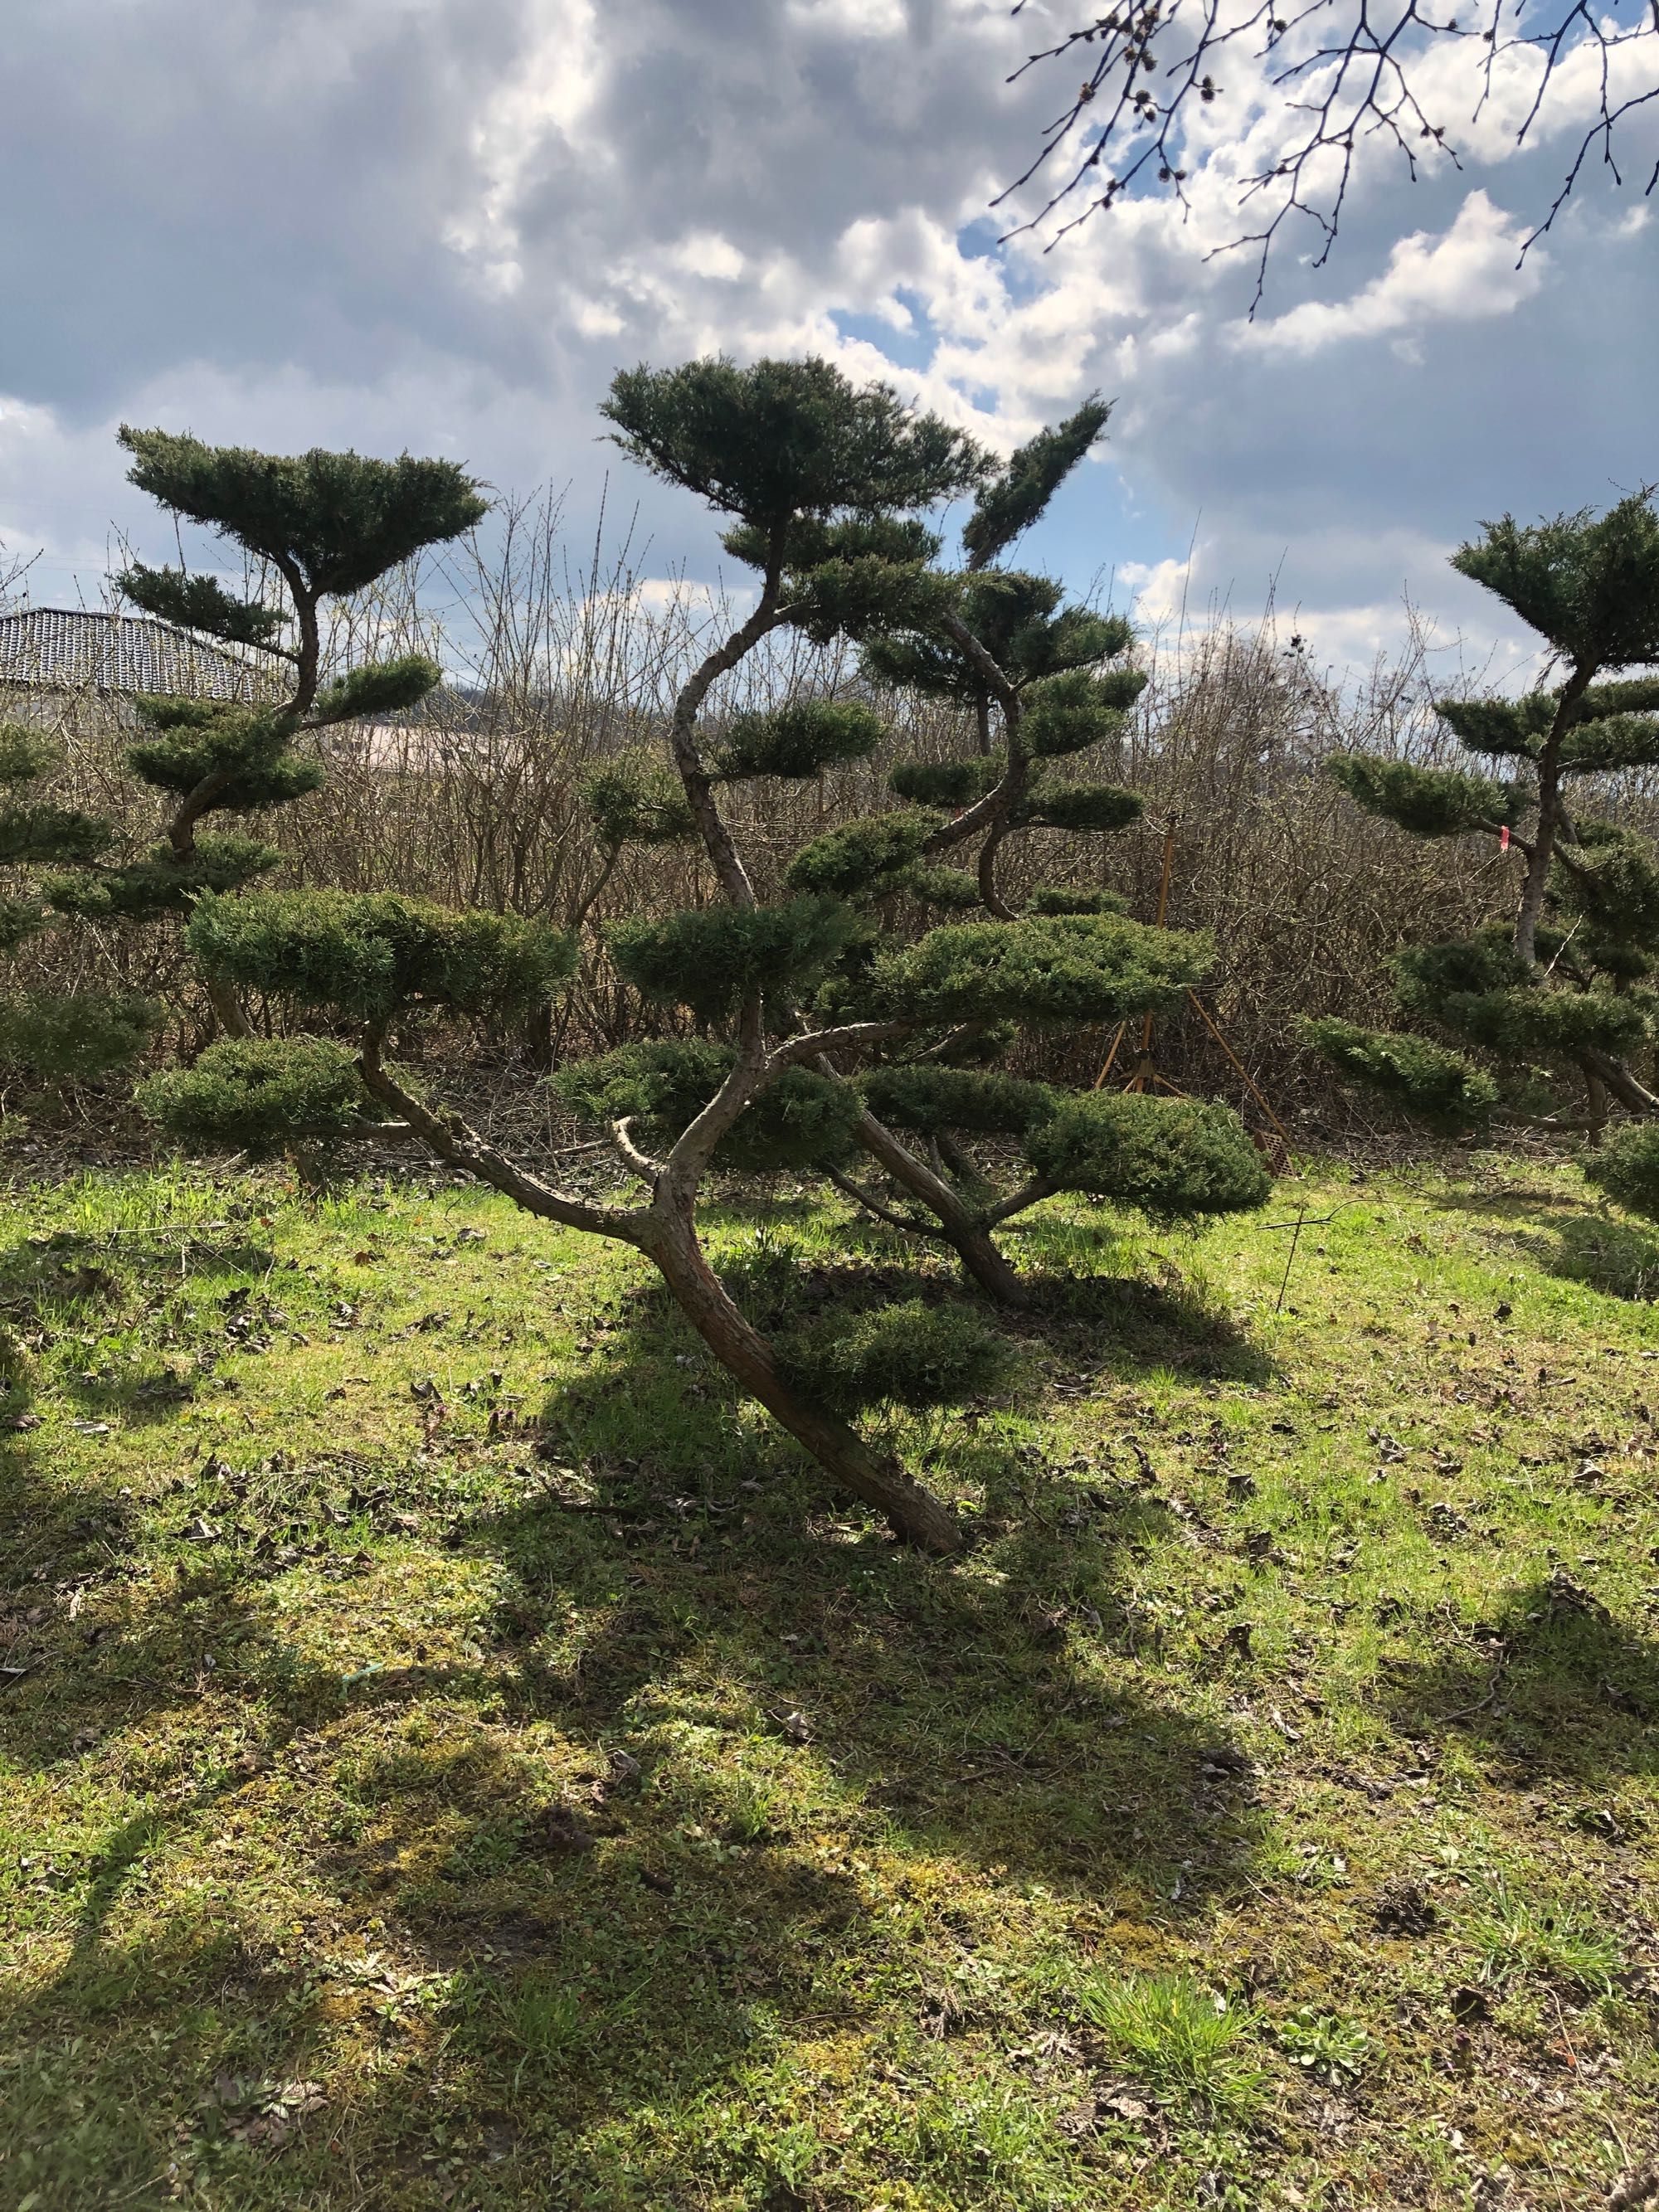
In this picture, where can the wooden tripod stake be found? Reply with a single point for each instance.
(1145, 1073)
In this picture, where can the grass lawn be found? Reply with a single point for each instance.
(452, 1757)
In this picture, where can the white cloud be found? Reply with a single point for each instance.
(1159, 589)
(492, 203)
(860, 19)
(1468, 273)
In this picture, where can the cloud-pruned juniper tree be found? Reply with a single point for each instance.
(52, 1035)
(1566, 989)
(823, 1021)
(320, 526)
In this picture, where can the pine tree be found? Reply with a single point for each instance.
(51, 1037)
(837, 1017)
(322, 526)
(1566, 988)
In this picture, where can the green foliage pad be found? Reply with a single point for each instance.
(1174, 1159)
(258, 1094)
(372, 954)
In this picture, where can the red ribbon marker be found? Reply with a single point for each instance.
(1503, 838)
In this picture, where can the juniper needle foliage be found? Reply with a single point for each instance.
(312, 527)
(834, 1030)
(1562, 996)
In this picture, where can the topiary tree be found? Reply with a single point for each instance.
(321, 525)
(1565, 987)
(51, 1036)
(834, 1016)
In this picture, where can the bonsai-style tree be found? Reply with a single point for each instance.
(321, 525)
(52, 1035)
(828, 1012)
(1566, 988)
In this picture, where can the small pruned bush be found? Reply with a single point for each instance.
(1176, 1159)
(912, 1354)
(1438, 1086)
(259, 1095)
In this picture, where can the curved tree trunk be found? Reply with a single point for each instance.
(1549, 814)
(226, 1009)
(958, 1225)
(913, 1512)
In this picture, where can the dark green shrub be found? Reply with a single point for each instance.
(259, 1095)
(637, 801)
(161, 883)
(947, 887)
(911, 1355)
(801, 739)
(1048, 968)
(862, 859)
(372, 953)
(51, 833)
(946, 783)
(1056, 898)
(934, 1097)
(50, 1038)
(1068, 713)
(1440, 1087)
(1430, 802)
(1173, 1158)
(709, 958)
(1098, 808)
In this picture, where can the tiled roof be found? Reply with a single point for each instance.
(62, 649)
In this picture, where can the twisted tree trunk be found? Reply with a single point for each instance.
(958, 1225)
(915, 1513)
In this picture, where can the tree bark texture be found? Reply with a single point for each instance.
(913, 1512)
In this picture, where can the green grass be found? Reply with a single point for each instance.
(454, 1757)
(1177, 2039)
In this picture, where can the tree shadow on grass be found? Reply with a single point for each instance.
(63, 1277)
(967, 1670)
(1124, 1324)
(668, 1822)
(1574, 1239)
(1552, 1683)
(606, 1862)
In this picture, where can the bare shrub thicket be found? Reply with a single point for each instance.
(553, 668)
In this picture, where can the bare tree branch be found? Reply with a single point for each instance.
(1345, 71)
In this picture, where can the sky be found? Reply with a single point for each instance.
(439, 226)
